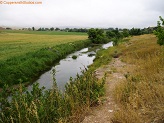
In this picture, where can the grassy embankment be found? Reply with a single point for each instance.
(141, 96)
(25, 54)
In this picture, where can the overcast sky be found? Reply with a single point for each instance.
(83, 13)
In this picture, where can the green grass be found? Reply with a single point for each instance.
(103, 57)
(25, 56)
(16, 43)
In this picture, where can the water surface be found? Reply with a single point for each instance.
(68, 67)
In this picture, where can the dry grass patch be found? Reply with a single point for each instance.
(141, 96)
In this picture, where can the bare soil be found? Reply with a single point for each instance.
(104, 112)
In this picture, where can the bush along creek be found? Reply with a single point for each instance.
(40, 105)
(24, 68)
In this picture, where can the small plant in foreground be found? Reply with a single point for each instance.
(40, 106)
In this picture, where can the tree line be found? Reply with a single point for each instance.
(133, 31)
(57, 29)
(102, 36)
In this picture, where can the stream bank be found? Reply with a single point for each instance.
(70, 67)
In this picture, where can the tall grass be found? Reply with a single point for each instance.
(17, 44)
(25, 67)
(141, 96)
(40, 106)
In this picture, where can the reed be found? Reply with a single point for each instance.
(49, 106)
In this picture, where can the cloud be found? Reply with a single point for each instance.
(154, 5)
(83, 13)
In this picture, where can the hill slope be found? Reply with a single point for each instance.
(135, 84)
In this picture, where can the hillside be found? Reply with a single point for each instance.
(135, 83)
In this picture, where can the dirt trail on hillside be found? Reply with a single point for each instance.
(104, 112)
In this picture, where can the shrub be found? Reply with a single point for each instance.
(49, 106)
(97, 36)
(74, 57)
(160, 32)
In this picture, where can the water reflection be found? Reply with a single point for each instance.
(67, 68)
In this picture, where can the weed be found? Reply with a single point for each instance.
(49, 106)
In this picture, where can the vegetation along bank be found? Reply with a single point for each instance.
(25, 56)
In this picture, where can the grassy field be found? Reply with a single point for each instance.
(24, 56)
(16, 43)
(141, 96)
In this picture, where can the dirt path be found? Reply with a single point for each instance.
(104, 112)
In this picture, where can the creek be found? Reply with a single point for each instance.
(69, 67)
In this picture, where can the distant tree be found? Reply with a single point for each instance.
(125, 32)
(116, 31)
(115, 41)
(145, 31)
(57, 29)
(9, 28)
(135, 31)
(33, 28)
(40, 29)
(46, 29)
(96, 36)
(160, 31)
(119, 35)
(29, 29)
(66, 29)
(77, 30)
(52, 29)
(151, 29)
(115, 35)
(81, 30)
(110, 29)
(110, 34)
(92, 34)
